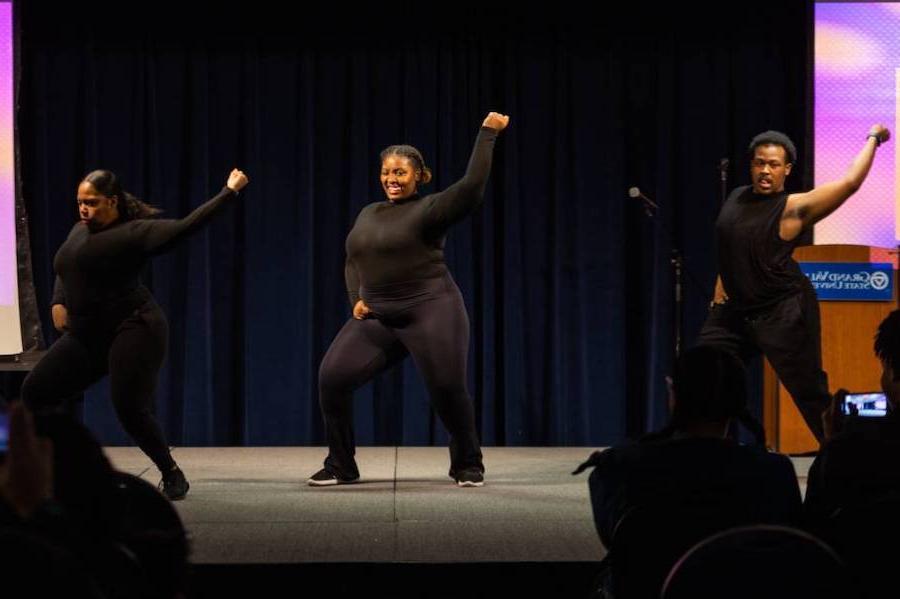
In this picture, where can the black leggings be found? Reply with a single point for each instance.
(426, 319)
(788, 334)
(132, 354)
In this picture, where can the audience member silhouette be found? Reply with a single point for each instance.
(89, 530)
(853, 487)
(659, 496)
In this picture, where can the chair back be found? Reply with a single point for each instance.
(776, 562)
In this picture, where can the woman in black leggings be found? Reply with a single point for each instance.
(405, 302)
(111, 322)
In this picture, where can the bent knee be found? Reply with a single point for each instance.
(36, 393)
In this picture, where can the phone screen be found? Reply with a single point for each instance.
(865, 404)
(4, 430)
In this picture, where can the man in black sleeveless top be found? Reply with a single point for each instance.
(763, 302)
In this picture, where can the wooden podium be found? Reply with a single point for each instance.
(848, 333)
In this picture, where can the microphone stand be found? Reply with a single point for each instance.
(676, 260)
(723, 180)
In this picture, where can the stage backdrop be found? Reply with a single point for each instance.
(567, 283)
(857, 84)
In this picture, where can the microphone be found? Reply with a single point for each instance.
(635, 192)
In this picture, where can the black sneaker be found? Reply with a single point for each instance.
(469, 477)
(174, 485)
(323, 478)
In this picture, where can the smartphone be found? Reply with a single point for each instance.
(865, 404)
(4, 429)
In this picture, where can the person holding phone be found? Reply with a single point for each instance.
(111, 323)
(26, 467)
(862, 459)
(853, 485)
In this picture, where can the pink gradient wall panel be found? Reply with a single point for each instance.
(857, 57)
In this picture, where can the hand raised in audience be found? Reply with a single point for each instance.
(26, 477)
(833, 416)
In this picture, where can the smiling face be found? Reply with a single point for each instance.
(399, 177)
(95, 209)
(769, 168)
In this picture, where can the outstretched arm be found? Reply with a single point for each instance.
(157, 236)
(461, 198)
(806, 209)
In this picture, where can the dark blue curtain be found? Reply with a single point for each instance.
(567, 283)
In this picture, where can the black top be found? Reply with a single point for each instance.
(403, 240)
(754, 485)
(98, 272)
(857, 466)
(754, 262)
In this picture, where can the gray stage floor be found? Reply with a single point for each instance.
(252, 505)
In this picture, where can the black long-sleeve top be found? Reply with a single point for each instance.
(403, 240)
(98, 272)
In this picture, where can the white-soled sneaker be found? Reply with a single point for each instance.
(470, 477)
(324, 478)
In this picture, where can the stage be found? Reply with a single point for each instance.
(251, 516)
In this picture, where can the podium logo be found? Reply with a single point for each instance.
(879, 280)
(851, 281)
(827, 279)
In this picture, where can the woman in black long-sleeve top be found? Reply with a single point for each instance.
(405, 302)
(111, 322)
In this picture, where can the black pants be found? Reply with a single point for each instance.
(131, 352)
(426, 319)
(788, 334)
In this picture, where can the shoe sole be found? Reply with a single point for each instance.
(322, 483)
(330, 482)
(469, 483)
